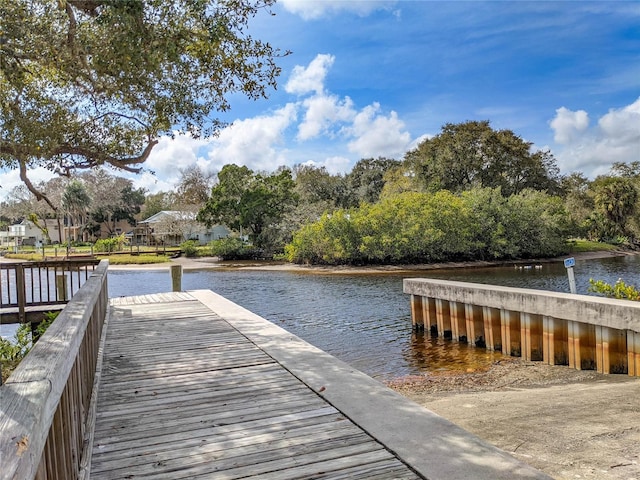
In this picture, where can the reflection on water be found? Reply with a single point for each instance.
(365, 320)
(429, 353)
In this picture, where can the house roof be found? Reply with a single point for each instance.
(177, 215)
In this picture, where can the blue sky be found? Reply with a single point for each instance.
(373, 78)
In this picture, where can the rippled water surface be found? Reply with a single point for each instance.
(365, 319)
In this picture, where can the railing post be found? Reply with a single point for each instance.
(61, 287)
(21, 292)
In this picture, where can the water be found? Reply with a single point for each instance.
(365, 320)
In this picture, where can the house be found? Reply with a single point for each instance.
(27, 233)
(170, 227)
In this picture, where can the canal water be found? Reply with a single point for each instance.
(365, 320)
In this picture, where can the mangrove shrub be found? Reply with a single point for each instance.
(413, 227)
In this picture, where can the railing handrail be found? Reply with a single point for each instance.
(607, 312)
(45, 401)
(40, 290)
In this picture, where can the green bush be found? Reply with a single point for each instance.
(412, 227)
(189, 248)
(233, 249)
(620, 290)
(12, 352)
(113, 244)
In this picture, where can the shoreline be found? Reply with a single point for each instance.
(203, 263)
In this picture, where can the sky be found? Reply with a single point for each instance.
(374, 78)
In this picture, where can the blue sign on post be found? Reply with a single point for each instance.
(569, 263)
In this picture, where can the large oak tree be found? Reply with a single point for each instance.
(472, 154)
(85, 83)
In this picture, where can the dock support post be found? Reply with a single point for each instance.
(176, 278)
(492, 328)
(429, 315)
(21, 293)
(61, 287)
(510, 329)
(581, 345)
(475, 326)
(633, 353)
(417, 317)
(444, 318)
(611, 350)
(555, 341)
(531, 334)
(458, 321)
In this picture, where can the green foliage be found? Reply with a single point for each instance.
(13, 351)
(616, 201)
(472, 154)
(367, 179)
(581, 245)
(108, 245)
(135, 259)
(189, 248)
(87, 83)
(619, 290)
(248, 201)
(413, 227)
(233, 249)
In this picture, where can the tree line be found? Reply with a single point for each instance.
(470, 192)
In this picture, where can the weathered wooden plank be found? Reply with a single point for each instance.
(171, 448)
(213, 426)
(185, 395)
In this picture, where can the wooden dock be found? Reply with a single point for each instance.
(185, 395)
(194, 386)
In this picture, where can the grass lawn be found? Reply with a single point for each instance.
(580, 246)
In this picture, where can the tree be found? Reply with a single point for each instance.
(473, 154)
(75, 203)
(244, 200)
(154, 203)
(367, 178)
(112, 199)
(88, 83)
(616, 202)
(193, 188)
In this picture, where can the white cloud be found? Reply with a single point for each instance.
(252, 142)
(378, 135)
(568, 124)
(333, 165)
(310, 79)
(322, 111)
(623, 125)
(314, 9)
(11, 179)
(592, 151)
(172, 154)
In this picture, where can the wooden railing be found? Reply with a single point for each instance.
(44, 429)
(40, 284)
(583, 332)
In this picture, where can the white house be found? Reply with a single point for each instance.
(26, 233)
(170, 227)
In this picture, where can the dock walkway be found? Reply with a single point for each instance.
(194, 386)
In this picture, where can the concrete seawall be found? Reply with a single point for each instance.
(580, 331)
